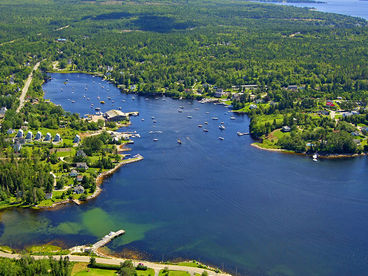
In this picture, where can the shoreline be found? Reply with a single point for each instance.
(320, 156)
(99, 181)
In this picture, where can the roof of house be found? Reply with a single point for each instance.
(114, 112)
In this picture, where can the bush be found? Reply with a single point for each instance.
(141, 266)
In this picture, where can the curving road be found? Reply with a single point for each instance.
(116, 261)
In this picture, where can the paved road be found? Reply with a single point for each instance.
(117, 261)
(26, 86)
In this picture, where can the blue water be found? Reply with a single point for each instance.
(355, 8)
(221, 202)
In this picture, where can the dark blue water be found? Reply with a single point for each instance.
(357, 8)
(221, 202)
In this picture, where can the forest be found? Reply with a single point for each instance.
(301, 75)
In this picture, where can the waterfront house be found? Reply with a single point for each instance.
(48, 196)
(57, 138)
(48, 137)
(219, 93)
(20, 134)
(77, 139)
(79, 189)
(73, 173)
(252, 106)
(29, 135)
(38, 135)
(116, 115)
(79, 178)
(81, 165)
(286, 129)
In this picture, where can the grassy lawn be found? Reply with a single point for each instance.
(46, 249)
(81, 269)
(148, 272)
(174, 273)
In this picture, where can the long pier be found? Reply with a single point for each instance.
(108, 238)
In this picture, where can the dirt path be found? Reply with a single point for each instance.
(26, 86)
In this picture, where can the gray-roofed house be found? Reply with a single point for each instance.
(73, 173)
(116, 115)
(79, 189)
(17, 146)
(81, 153)
(82, 165)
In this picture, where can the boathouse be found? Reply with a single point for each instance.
(116, 115)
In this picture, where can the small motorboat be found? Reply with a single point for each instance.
(206, 123)
(97, 109)
(232, 118)
(221, 138)
(315, 157)
(155, 140)
(179, 141)
(189, 117)
(221, 127)
(142, 119)
(73, 101)
(214, 118)
(180, 111)
(205, 130)
(200, 125)
(102, 102)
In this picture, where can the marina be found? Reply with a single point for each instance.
(170, 203)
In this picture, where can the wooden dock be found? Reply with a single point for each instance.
(108, 238)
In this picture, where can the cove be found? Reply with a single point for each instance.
(221, 202)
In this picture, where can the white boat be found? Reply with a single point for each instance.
(205, 130)
(154, 121)
(221, 127)
(180, 111)
(206, 123)
(221, 138)
(189, 117)
(315, 156)
(232, 118)
(214, 118)
(155, 140)
(73, 101)
(142, 119)
(242, 133)
(200, 126)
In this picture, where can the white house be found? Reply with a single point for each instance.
(29, 135)
(57, 138)
(20, 134)
(47, 137)
(38, 135)
(77, 139)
